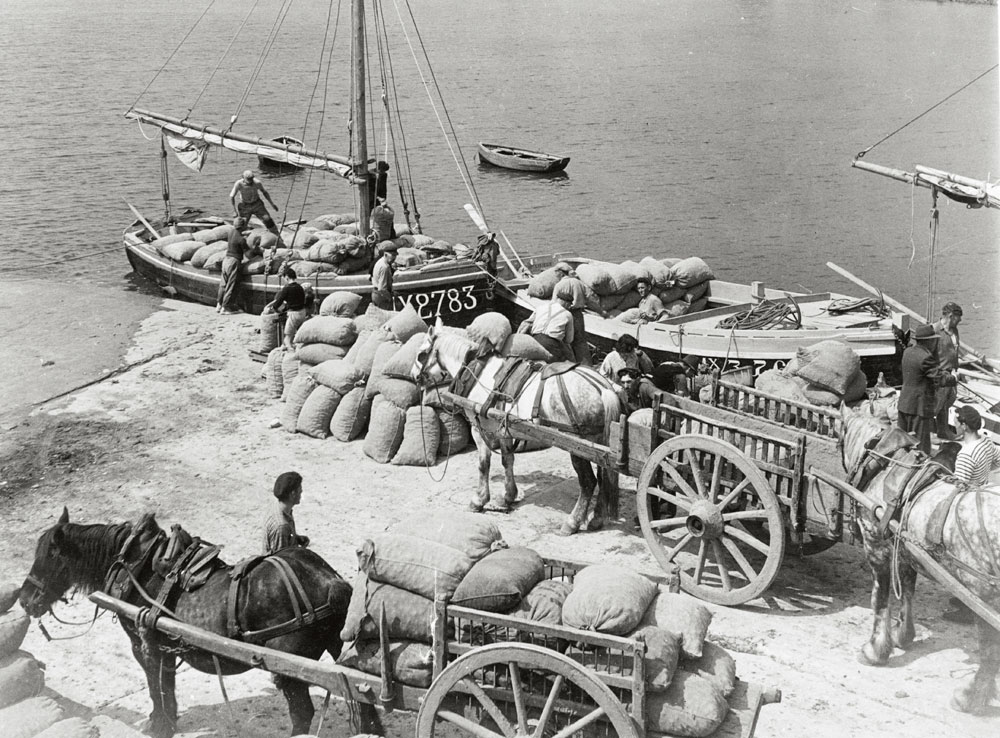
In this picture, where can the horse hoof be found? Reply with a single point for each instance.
(476, 507)
(566, 530)
(595, 524)
(962, 700)
(868, 657)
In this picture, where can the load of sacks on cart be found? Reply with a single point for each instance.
(24, 711)
(464, 558)
(683, 286)
(325, 244)
(349, 377)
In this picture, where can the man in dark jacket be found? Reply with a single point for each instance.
(921, 377)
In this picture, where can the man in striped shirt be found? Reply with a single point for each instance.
(279, 526)
(979, 455)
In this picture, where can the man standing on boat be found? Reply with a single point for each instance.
(921, 376)
(947, 353)
(250, 192)
(382, 292)
(231, 265)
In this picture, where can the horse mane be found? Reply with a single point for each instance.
(455, 347)
(96, 547)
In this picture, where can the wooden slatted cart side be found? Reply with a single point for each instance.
(813, 420)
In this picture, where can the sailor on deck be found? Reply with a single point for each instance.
(250, 191)
(552, 324)
(383, 295)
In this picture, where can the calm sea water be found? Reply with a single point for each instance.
(719, 128)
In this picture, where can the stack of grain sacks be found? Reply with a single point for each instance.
(24, 711)
(206, 249)
(681, 284)
(826, 373)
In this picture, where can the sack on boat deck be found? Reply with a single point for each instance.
(408, 257)
(421, 438)
(349, 228)
(629, 300)
(412, 663)
(633, 271)
(316, 353)
(339, 375)
(400, 362)
(181, 251)
(542, 284)
(632, 315)
(691, 706)
(454, 432)
(21, 677)
(403, 393)
(716, 665)
(597, 276)
(691, 271)
(272, 372)
(329, 329)
(199, 257)
(408, 615)
(660, 272)
(830, 364)
(218, 233)
(350, 419)
(500, 580)
(683, 615)
(317, 412)
(162, 241)
(214, 262)
(13, 627)
(310, 268)
(405, 324)
(544, 603)
(298, 393)
(383, 353)
(342, 304)
(415, 564)
(608, 599)
(468, 533)
(385, 431)
(698, 305)
(28, 718)
(491, 327)
(675, 309)
(607, 303)
(523, 346)
(696, 292)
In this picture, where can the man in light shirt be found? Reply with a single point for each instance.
(552, 324)
(382, 292)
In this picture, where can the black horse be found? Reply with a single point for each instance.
(128, 561)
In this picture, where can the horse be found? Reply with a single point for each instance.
(959, 525)
(133, 562)
(578, 399)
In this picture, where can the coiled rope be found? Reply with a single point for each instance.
(765, 315)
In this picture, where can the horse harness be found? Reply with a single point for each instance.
(186, 563)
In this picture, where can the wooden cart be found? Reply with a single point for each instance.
(494, 675)
(723, 488)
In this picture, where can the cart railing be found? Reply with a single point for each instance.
(810, 419)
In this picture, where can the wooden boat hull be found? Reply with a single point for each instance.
(454, 291)
(523, 160)
(875, 341)
(276, 165)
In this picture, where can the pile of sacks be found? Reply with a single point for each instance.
(826, 373)
(350, 377)
(24, 712)
(681, 284)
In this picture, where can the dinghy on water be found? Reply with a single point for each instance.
(268, 163)
(522, 160)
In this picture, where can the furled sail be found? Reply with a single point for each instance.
(201, 136)
(975, 193)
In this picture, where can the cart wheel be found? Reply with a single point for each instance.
(521, 691)
(725, 529)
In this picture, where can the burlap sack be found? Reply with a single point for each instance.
(339, 375)
(199, 257)
(683, 615)
(491, 327)
(421, 438)
(374, 318)
(21, 677)
(352, 352)
(544, 603)
(9, 592)
(466, 532)
(414, 564)
(209, 235)
(327, 329)
(830, 364)
(317, 412)
(181, 251)
(314, 354)
(500, 580)
(383, 353)
(408, 615)
(405, 324)
(523, 346)
(658, 271)
(13, 627)
(269, 323)
(365, 356)
(272, 372)
(716, 665)
(214, 262)
(289, 371)
(298, 393)
(691, 271)
(455, 433)
(28, 718)
(342, 304)
(385, 431)
(609, 599)
(412, 663)
(350, 419)
(400, 363)
(162, 241)
(663, 649)
(691, 706)
(74, 727)
(542, 284)
(597, 275)
(403, 393)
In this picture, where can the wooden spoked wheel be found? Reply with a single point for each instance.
(520, 691)
(704, 506)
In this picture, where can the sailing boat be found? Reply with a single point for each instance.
(438, 279)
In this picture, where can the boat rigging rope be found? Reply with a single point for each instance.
(765, 315)
(269, 42)
(862, 153)
(872, 305)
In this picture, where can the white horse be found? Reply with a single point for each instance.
(580, 401)
(965, 526)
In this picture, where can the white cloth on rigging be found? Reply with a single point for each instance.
(191, 153)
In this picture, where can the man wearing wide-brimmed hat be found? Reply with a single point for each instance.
(921, 377)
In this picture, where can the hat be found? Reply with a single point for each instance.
(691, 362)
(663, 375)
(385, 246)
(970, 416)
(924, 332)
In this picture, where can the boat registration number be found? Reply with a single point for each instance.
(439, 302)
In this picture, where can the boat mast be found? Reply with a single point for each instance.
(360, 122)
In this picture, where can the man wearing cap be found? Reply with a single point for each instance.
(382, 292)
(552, 324)
(921, 377)
(250, 191)
(947, 353)
(279, 525)
(236, 248)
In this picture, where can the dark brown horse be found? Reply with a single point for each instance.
(122, 559)
(959, 526)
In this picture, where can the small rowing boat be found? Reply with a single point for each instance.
(522, 160)
(270, 162)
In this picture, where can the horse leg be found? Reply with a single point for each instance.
(606, 506)
(482, 495)
(973, 697)
(300, 706)
(509, 483)
(159, 669)
(879, 647)
(587, 481)
(903, 631)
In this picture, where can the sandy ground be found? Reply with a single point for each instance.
(187, 432)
